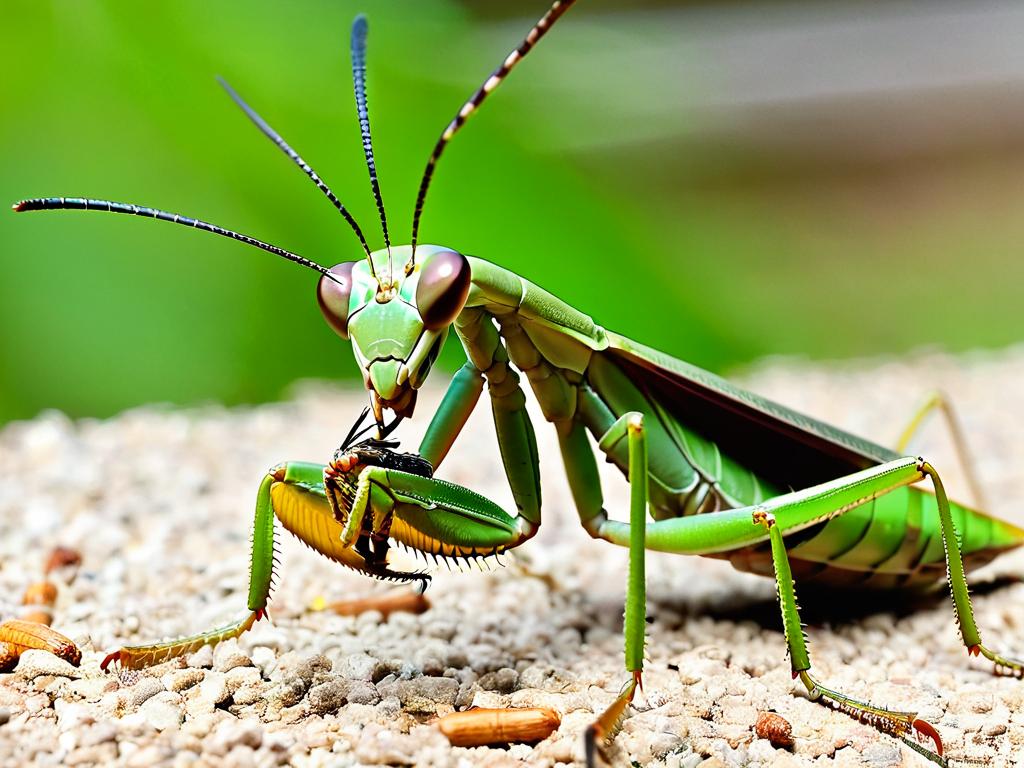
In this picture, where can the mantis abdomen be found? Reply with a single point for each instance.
(890, 542)
(588, 378)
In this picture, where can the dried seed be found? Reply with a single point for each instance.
(479, 727)
(40, 593)
(399, 601)
(22, 635)
(60, 557)
(38, 617)
(8, 657)
(774, 728)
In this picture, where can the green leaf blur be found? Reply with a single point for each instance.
(605, 182)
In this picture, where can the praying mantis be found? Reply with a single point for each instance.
(713, 469)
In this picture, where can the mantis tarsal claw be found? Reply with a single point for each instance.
(599, 734)
(1006, 666)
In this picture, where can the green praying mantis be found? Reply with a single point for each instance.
(711, 467)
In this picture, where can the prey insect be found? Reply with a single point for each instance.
(713, 469)
(350, 511)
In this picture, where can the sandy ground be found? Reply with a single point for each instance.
(159, 503)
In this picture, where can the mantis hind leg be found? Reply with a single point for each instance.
(939, 401)
(899, 724)
(771, 520)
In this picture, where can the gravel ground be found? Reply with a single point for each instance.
(159, 503)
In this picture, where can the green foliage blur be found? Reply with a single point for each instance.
(601, 170)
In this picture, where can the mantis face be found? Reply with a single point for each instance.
(397, 319)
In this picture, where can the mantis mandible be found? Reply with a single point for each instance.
(711, 467)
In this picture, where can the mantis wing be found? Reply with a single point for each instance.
(778, 444)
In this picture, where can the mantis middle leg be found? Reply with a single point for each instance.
(600, 732)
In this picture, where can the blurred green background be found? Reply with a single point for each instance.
(723, 181)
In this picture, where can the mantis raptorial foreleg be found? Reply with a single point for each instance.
(292, 493)
(488, 361)
(459, 400)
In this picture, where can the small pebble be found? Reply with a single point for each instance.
(995, 729)
(236, 677)
(233, 733)
(203, 658)
(183, 679)
(36, 663)
(362, 692)
(264, 658)
(422, 694)
(314, 669)
(163, 710)
(362, 666)
(144, 689)
(248, 694)
(503, 680)
(229, 659)
(328, 697)
(288, 693)
(214, 688)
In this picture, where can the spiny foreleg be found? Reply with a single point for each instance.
(261, 575)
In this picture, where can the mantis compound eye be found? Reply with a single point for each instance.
(442, 289)
(333, 297)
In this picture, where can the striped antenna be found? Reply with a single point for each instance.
(275, 137)
(359, 30)
(473, 104)
(89, 204)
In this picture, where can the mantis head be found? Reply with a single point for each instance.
(397, 320)
(396, 324)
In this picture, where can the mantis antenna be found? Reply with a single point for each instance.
(275, 137)
(89, 204)
(359, 30)
(473, 104)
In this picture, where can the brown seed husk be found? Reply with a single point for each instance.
(400, 601)
(38, 617)
(60, 557)
(774, 728)
(9, 656)
(40, 593)
(479, 727)
(23, 635)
